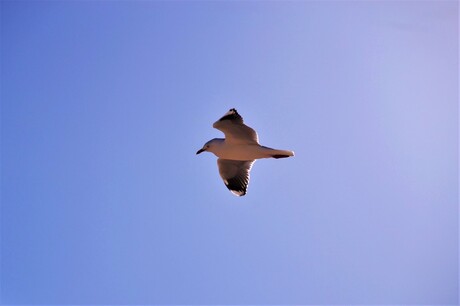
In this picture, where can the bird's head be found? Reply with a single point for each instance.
(210, 145)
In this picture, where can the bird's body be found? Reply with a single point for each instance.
(238, 151)
(243, 152)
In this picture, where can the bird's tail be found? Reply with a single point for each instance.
(280, 153)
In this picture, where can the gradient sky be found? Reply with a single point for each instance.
(104, 104)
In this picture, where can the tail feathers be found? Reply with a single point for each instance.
(282, 154)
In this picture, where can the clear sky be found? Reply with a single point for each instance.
(104, 104)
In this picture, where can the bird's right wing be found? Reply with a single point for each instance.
(235, 174)
(236, 132)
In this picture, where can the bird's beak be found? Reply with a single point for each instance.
(200, 151)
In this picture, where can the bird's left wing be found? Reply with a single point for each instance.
(235, 174)
(236, 132)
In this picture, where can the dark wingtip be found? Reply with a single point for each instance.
(236, 186)
(232, 114)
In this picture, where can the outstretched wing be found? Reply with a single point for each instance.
(235, 174)
(236, 132)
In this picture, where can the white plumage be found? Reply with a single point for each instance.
(238, 151)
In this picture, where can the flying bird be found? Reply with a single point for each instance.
(238, 151)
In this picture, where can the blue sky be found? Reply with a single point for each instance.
(104, 104)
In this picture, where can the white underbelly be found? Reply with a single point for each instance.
(242, 152)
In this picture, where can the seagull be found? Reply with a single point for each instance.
(238, 151)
